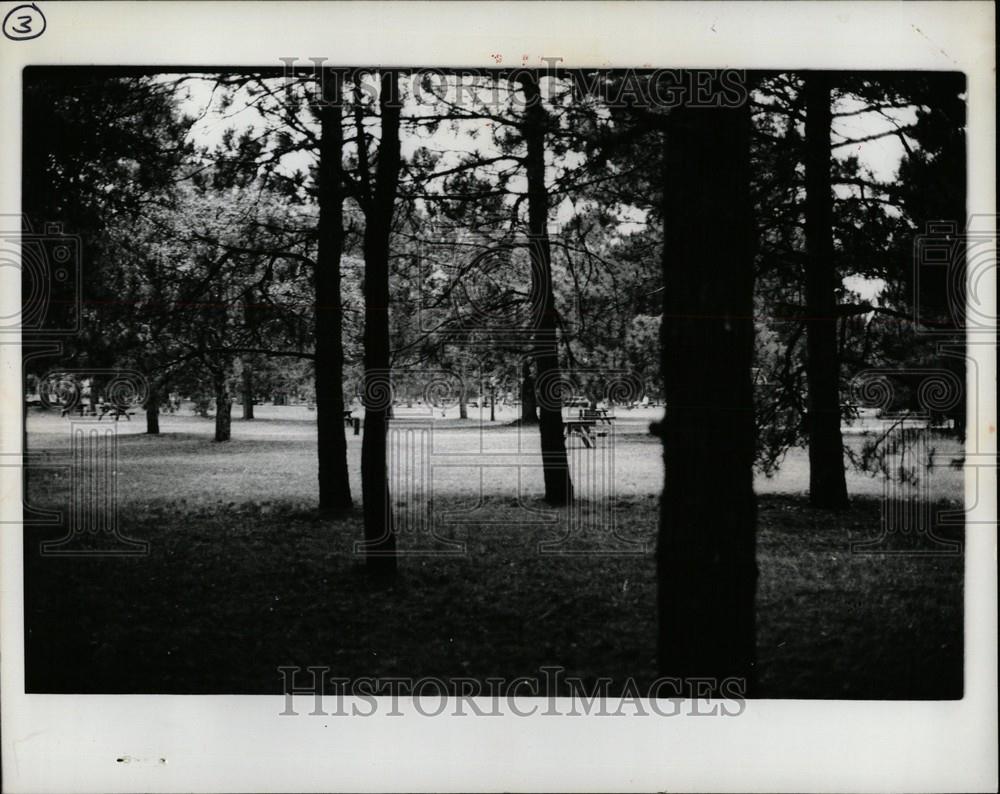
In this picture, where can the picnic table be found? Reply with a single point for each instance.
(79, 410)
(116, 411)
(100, 411)
(582, 428)
(588, 425)
(600, 415)
(352, 421)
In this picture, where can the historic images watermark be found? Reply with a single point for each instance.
(915, 405)
(430, 696)
(482, 300)
(902, 452)
(49, 262)
(952, 264)
(419, 461)
(655, 89)
(91, 522)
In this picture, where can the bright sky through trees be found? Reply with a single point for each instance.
(880, 156)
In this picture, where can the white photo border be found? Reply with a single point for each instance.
(55, 743)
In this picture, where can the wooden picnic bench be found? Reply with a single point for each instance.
(100, 411)
(79, 410)
(116, 411)
(599, 415)
(582, 428)
(352, 421)
(589, 424)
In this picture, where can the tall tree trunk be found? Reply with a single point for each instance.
(555, 465)
(223, 406)
(380, 533)
(463, 406)
(153, 411)
(334, 481)
(96, 387)
(706, 562)
(529, 407)
(247, 389)
(827, 481)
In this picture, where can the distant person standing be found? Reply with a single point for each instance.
(645, 401)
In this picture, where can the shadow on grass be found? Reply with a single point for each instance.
(228, 593)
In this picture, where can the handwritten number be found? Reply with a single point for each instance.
(24, 22)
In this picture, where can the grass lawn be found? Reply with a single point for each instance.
(242, 577)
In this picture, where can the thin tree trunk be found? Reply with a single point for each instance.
(223, 407)
(247, 389)
(555, 465)
(706, 563)
(334, 480)
(380, 534)
(529, 407)
(827, 480)
(95, 394)
(153, 412)
(463, 407)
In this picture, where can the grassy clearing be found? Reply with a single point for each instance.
(242, 576)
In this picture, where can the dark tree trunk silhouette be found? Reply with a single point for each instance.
(380, 534)
(827, 481)
(334, 481)
(706, 563)
(247, 389)
(96, 389)
(463, 404)
(223, 405)
(555, 465)
(529, 407)
(153, 412)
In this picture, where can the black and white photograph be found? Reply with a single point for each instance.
(538, 386)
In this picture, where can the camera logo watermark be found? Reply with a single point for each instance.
(953, 268)
(91, 522)
(49, 261)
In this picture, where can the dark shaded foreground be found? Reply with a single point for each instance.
(228, 594)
